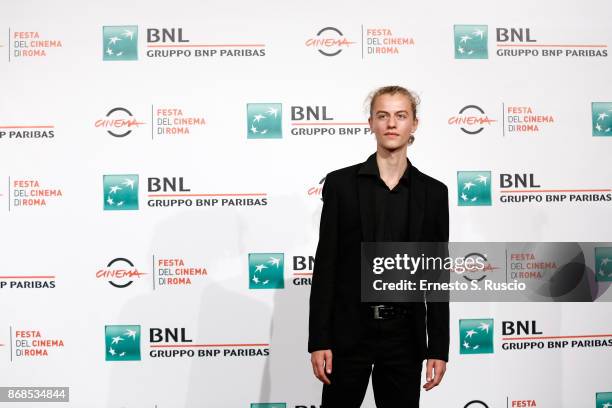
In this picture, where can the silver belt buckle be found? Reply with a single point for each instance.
(377, 315)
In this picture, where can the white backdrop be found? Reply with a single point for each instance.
(66, 241)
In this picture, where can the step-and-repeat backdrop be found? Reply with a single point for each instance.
(161, 167)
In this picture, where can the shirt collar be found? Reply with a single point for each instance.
(370, 168)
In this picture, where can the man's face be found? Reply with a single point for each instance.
(392, 121)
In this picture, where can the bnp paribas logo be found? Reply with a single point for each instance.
(120, 43)
(603, 400)
(601, 113)
(476, 336)
(266, 271)
(122, 342)
(120, 192)
(471, 42)
(268, 405)
(264, 121)
(474, 188)
(603, 264)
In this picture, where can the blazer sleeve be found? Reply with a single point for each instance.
(438, 330)
(324, 273)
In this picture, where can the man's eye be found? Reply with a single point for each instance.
(381, 116)
(402, 116)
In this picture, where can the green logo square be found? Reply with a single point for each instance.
(601, 115)
(476, 336)
(603, 400)
(120, 192)
(268, 405)
(266, 271)
(471, 42)
(603, 264)
(122, 342)
(473, 188)
(264, 121)
(120, 43)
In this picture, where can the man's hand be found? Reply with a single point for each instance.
(434, 374)
(322, 364)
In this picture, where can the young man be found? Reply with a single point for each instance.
(382, 199)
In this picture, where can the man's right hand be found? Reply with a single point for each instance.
(322, 364)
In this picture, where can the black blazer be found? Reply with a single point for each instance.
(336, 311)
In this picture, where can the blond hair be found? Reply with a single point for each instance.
(393, 90)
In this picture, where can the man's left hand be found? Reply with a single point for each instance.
(434, 374)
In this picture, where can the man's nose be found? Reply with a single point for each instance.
(391, 122)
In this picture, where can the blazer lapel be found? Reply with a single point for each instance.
(366, 209)
(417, 206)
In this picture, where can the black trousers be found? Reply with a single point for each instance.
(388, 352)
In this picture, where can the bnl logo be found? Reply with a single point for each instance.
(120, 192)
(266, 271)
(603, 264)
(264, 121)
(476, 336)
(601, 118)
(474, 188)
(120, 43)
(603, 400)
(122, 342)
(471, 42)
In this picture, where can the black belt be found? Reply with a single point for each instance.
(382, 312)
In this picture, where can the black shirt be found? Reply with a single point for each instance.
(390, 206)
